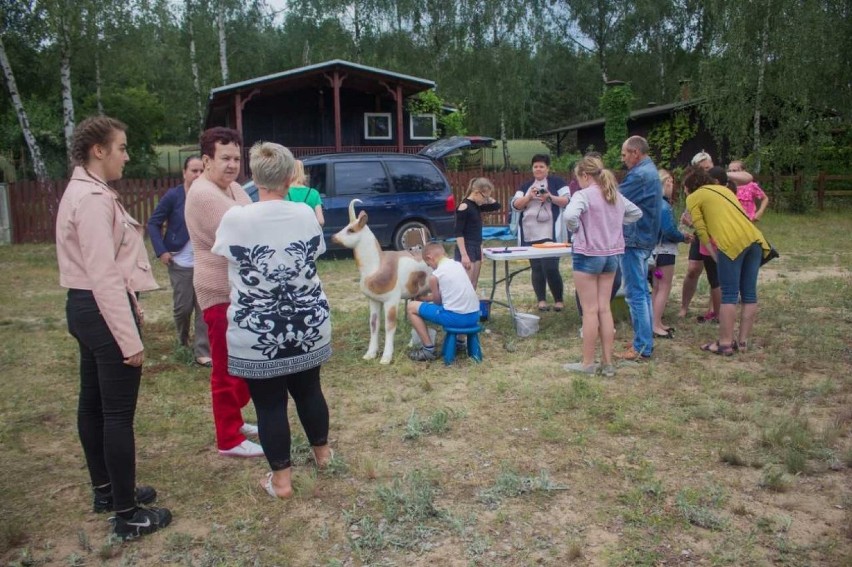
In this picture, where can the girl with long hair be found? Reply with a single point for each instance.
(595, 215)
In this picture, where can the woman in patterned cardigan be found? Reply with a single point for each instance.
(279, 320)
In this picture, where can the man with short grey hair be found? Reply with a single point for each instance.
(642, 187)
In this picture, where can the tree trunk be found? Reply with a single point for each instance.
(193, 64)
(223, 42)
(503, 139)
(761, 71)
(98, 81)
(38, 163)
(65, 82)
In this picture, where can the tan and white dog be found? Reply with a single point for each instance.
(386, 278)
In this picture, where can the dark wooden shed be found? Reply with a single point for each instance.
(335, 106)
(589, 135)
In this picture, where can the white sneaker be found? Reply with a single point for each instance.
(245, 449)
(249, 429)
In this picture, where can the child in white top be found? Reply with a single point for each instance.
(453, 300)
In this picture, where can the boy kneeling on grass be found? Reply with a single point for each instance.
(452, 301)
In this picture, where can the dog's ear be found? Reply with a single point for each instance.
(362, 219)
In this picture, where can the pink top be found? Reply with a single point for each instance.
(747, 195)
(99, 247)
(206, 204)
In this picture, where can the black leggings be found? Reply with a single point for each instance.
(270, 401)
(545, 272)
(108, 392)
(712, 271)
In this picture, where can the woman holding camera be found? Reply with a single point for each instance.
(540, 203)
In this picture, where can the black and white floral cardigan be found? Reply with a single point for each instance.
(279, 320)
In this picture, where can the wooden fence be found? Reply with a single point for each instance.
(33, 205)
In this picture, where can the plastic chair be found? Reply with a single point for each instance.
(474, 349)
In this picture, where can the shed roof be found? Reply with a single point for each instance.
(636, 114)
(311, 74)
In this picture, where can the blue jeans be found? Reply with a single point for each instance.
(634, 271)
(739, 276)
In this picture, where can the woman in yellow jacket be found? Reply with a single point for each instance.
(736, 245)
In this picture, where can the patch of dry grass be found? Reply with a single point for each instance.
(690, 459)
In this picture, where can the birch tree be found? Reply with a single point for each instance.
(193, 64)
(223, 41)
(35, 152)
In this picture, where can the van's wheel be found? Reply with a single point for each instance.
(409, 232)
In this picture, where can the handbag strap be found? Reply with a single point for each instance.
(728, 200)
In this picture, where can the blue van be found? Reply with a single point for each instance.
(400, 193)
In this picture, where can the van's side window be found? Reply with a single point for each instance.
(413, 176)
(358, 178)
(316, 177)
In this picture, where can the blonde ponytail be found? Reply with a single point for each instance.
(481, 185)
(604, 178)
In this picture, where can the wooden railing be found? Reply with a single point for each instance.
(33, 205)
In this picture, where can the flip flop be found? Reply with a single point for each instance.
(721, 350)
(544, 308)
(667, 335)
(270, 490)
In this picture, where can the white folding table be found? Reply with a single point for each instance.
(507, 254)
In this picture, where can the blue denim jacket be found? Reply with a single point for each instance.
(668, 227)
(169, 211)
(642, 187)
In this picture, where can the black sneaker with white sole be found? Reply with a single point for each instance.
(144, 521)
(103, 502)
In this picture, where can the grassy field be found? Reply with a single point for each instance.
(170, 158)
(688, 460)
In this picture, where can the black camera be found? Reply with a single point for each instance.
(541, 191)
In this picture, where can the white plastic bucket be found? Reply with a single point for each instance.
(526, 324)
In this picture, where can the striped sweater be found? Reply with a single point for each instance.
(206, 204)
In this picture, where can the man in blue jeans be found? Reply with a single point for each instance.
(642, 187)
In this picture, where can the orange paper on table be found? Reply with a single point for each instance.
(550, 245)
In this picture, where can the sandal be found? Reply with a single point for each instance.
(722, 350)
(559, 307)
(709, 317)
(544, 308)
(270, 489)
(741, 346)
(666, 335)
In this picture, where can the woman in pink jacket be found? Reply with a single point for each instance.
(103, 263)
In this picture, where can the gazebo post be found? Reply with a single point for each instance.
(400, 131)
